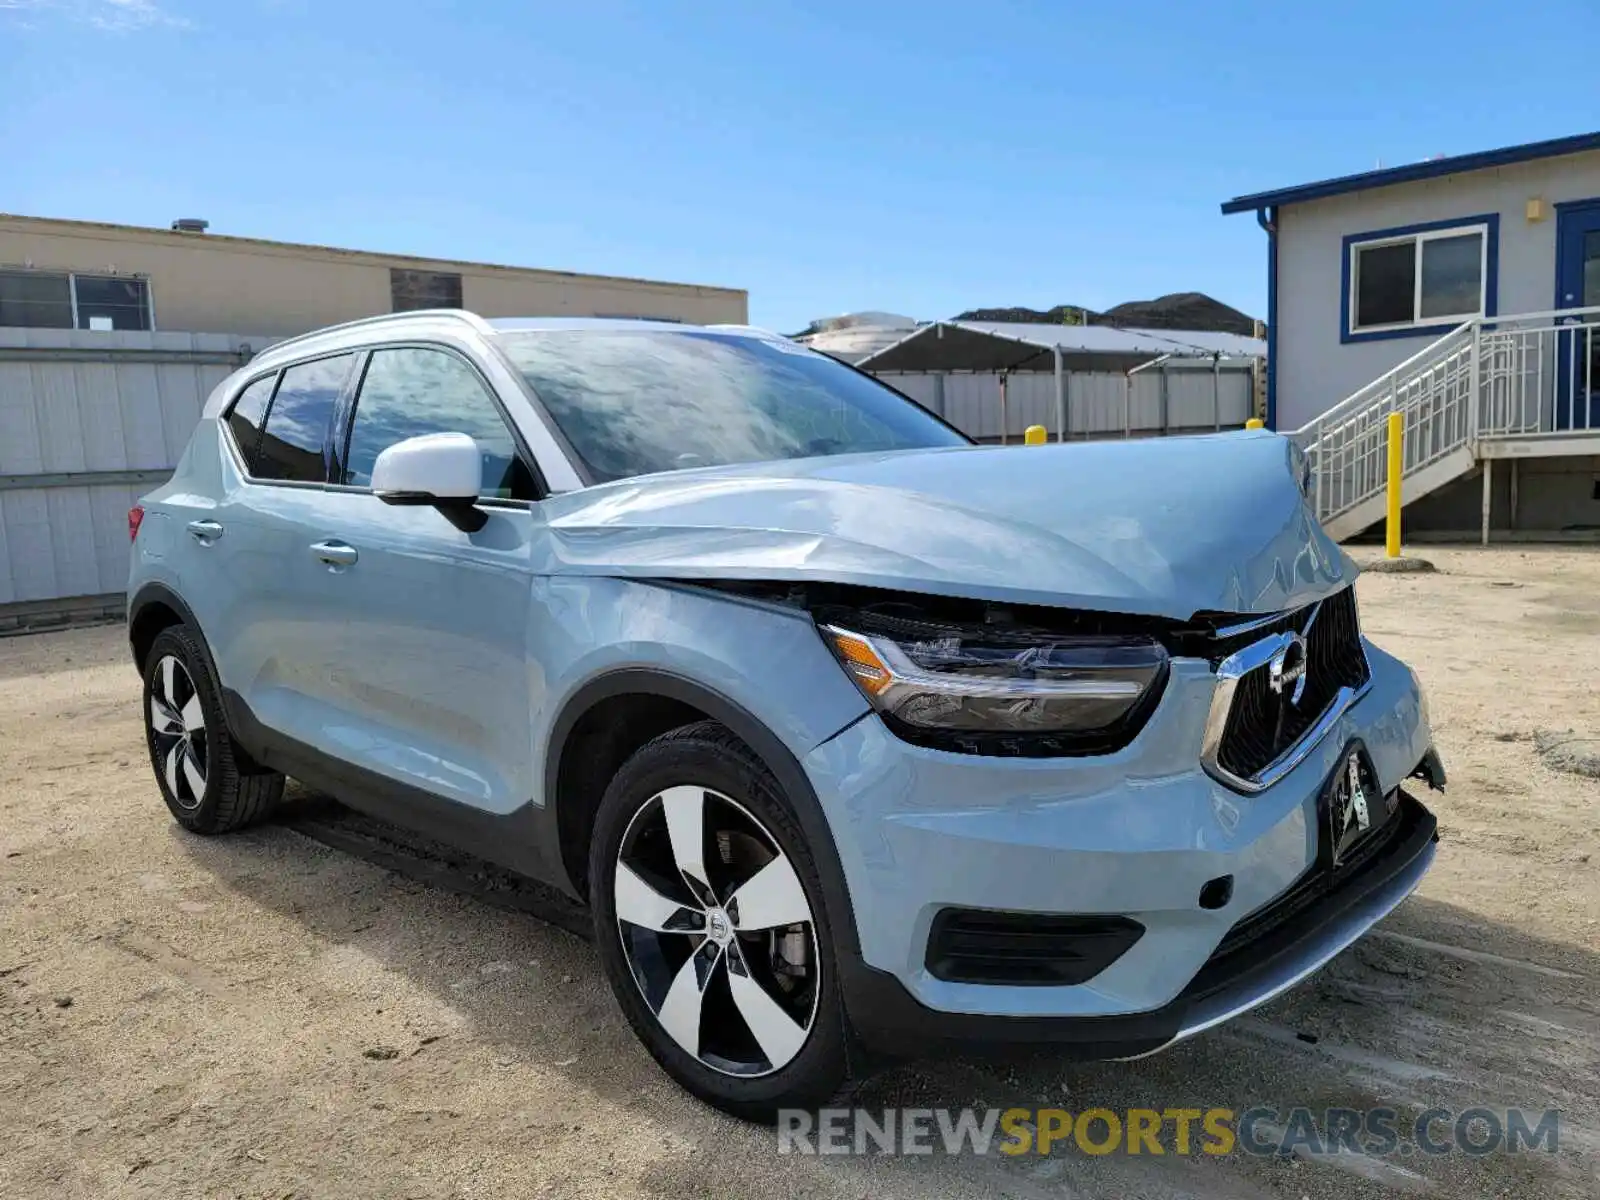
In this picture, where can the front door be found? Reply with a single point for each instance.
(425, 658)
(1578, 287)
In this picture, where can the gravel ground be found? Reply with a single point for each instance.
(318, 1008)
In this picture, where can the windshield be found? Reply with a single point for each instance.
(631, 402)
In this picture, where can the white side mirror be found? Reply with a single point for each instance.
(444, 470)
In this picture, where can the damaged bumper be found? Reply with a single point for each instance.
(1143, 838)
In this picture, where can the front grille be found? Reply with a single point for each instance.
(975, 946)
(1263, 724)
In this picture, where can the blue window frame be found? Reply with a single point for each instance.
(1418, 280)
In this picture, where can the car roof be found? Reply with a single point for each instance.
(352, 334)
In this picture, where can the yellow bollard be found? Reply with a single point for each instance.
(1255, 423)
(1034, 435)
(1397, 444)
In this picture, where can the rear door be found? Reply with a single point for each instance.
(424, 652)
(263, 618)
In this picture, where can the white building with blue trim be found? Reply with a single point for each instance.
(1463, 292)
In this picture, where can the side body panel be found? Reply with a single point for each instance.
(767, 661)
(411, 661)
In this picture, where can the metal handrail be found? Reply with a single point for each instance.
(1518, 375)
(1352, 402)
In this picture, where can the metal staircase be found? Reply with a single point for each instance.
(1493, 387)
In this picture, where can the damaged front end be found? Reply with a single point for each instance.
(988, 678)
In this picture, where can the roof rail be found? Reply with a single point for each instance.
(478, 324)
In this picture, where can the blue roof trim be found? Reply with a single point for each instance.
(1431, 169)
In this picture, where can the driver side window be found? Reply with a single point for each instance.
(408, 391)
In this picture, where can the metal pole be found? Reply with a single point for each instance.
(1391, 535)
(1166, 408)
(1127, 404)
(1061, 399)
(1005, 421)
(1475, 382)
(1488, 492)
(1514, 473)
(1216, 393)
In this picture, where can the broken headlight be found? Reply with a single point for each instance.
(996, 692)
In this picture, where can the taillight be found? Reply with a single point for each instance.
(135, 519)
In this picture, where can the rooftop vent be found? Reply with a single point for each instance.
(190, 225)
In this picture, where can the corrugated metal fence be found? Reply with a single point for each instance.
(88, 423)
(1184, 398)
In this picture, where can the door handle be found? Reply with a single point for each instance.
(335, 554)
(205, 532)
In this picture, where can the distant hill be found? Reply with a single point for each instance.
(1181, 310)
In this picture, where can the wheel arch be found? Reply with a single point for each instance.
(155, 607)
(568, 814)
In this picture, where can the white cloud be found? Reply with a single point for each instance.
(112, 16)
(123, 16)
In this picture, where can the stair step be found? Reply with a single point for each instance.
(1414, 486)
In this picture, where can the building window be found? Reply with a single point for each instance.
(35, 300)
(112, 302)
(1400, 282)
(58, 300)
(411, 290)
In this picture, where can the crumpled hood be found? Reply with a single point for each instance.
(1161, 526)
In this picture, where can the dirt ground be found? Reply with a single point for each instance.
(269, 1015)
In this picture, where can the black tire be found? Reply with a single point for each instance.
(709, 756)
(236, 791)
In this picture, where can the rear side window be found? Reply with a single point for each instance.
(244, 419)
(410, 391)
(297, 422)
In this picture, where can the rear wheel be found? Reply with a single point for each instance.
(710, 924)
(208, 781)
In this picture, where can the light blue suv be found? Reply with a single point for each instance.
(856, 737)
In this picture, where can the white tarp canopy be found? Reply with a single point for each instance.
(1015, 346)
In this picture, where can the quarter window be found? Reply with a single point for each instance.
(1428, 278)
(297, 422)
(410, 391)
(244, 419)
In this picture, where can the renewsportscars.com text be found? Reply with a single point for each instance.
(1260, 1129)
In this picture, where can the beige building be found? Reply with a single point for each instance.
(89, 275)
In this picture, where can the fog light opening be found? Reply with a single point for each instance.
(1217, 892)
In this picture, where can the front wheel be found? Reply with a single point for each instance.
(710, 925)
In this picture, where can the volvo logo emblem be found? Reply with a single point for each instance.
(1287, 668)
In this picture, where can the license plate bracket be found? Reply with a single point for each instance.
(1352, 806)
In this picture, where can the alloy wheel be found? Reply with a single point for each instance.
(178, 732)
(717, 931)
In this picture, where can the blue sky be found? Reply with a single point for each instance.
(923, 158)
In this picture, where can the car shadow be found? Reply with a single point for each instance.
(1439, 1006)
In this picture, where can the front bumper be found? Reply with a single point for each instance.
(1134, 834)
(891, 1021)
